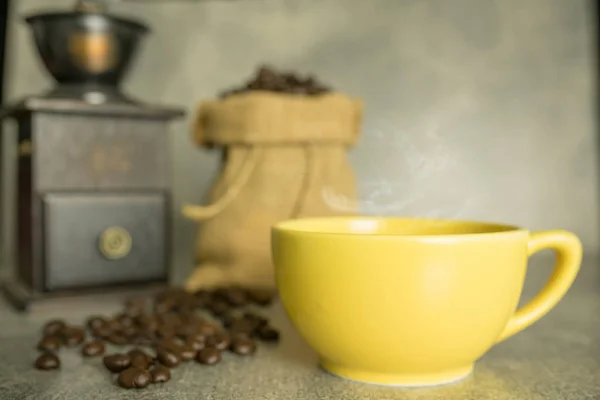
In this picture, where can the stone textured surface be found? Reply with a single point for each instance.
(475, 108)
(555, 359)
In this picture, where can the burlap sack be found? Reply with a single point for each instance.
(280, 153)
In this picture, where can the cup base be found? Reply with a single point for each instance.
(401, 380)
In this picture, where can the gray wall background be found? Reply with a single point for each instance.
(480, 109)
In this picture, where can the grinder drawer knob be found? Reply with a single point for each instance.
(115, 243)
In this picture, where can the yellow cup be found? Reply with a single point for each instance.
(411, 302)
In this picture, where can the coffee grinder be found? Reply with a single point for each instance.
(93, 193)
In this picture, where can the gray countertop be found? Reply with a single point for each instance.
(557, 358)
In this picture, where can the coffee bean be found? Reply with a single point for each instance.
(54, 327)
(268, 334)
(209, 356)
(135, 307)
(219, 307)
(143, 338)
(261, 297)
(96, 322)
(73, 336)
(267, 79)
(168, 358)
(137, 352)
(139, 361)
(170, 320)
(219, 341)
(93, 348)
(165, 331)
(256, 320)
(47, 361)
(196, 345)
(236, 297)
(164, 306)
(130, 332)
(139, 358)
(114, 325)
(228, 319)
(208, 329)
(168, 344)
(125, 320)
(203, 294)
(117, 362)
(134, 378)
(49, 343)
(187, 352)
(102, 332)
(118, 338)
(242, 326)
(243, 346)
(160, 374)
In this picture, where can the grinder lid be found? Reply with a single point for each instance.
(84, 9)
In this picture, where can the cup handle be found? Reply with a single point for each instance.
(568, 259)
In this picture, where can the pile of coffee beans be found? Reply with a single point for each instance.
(164, 331)
(269, 80)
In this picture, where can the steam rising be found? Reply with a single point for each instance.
(420, 161)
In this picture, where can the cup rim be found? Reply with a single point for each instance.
(298, 226)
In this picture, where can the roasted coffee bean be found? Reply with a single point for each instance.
(171, 320)
(134, 378)
(257, 320)
(103, 332)
(117, 362)
(192, 320)
(298, 90)
(228, 319)
(160, 374)
(187, 352)
(261, 297)
(125, 320)
(164, 306)
(242, 326)
(54, 327)
(219, 341)
(114, 325)
(135, 307)
(168, 358)
(165, 331)
(209, 356)
(268, 334)
(96, 322)
(142, 339)
(93, 348)
(265, 74)
(118, 338)
(140, 361)
(139, 352)
(218, 307)
(268, 79)
(47, 361)
(49, 343)
(196, 345)
(208, 329)
(130, 332)
(195, 336)
(243, 346)
(203, 295)
(73, 336)
(168, 344)
(236, 297)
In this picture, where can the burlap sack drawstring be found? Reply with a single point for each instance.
(200, 213)
(282, 151)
